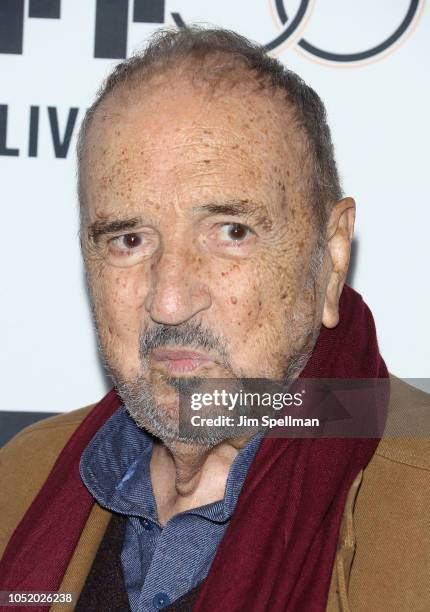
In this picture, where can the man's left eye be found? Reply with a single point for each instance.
(236, 232)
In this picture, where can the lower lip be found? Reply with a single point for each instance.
(183, 366)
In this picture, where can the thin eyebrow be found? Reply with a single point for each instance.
(234, 208)
(101, 228)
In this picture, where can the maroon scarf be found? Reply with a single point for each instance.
(278, 551)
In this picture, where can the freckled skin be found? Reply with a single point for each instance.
(173, 151)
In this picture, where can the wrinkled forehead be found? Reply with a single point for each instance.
(175, 139)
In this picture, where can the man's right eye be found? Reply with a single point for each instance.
(127, 242)
(128, 249)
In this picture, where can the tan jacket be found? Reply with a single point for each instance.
(383, 556)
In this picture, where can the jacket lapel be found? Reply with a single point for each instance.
(338, 592)
(84, 554)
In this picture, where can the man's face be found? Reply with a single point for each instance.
(198, 240)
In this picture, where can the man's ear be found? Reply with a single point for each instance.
(340, 229)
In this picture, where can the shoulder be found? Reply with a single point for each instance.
(41, 441)
(399, 471)
(406, 438)
(25, 462)
(65, 420)
(391, 520)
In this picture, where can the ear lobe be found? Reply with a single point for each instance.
(340, 229)
(330, 317)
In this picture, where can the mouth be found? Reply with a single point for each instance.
(178, 361)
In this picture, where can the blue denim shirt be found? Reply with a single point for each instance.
(160, 563)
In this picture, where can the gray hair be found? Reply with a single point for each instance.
(197, 44)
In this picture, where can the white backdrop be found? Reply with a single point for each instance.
(378, 108)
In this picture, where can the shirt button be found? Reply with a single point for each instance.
(146, 524)
(161, 600)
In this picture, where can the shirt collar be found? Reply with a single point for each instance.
(115, 469)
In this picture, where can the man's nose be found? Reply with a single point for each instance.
(176, 290)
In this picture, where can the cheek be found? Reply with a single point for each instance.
(116, 300)
(237, 291)
(254, 296)
(268, 312)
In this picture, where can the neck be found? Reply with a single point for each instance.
(185, 476)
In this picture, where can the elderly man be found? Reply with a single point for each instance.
(216, 243)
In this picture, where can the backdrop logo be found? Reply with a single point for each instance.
(112, 24)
